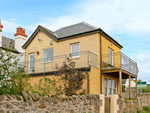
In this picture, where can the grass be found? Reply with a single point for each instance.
(130, 99)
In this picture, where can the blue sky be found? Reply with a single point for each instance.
(127, 21)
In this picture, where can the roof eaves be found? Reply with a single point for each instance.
(41, 28)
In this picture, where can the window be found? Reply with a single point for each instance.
(48, 55)
(110, 56)
(75, 50)
(31, 63)
(110, 86)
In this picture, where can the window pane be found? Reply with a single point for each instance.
(110, 91)
(105, 82)
(114, 91)
(48, 55)
(75, 49)
(110, 83)
(105, 91)
(115, 84)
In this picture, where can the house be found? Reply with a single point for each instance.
(20, 38)
(126, 83)
(93, 50)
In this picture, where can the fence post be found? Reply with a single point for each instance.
(44, 68)
(113, 104)
(102, 106)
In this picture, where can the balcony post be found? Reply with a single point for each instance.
(120, 79)
(27, 66)
(129, 87)
(136, 88)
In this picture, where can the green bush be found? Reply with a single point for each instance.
(139, 111)
(123, 88)
(146, 108)
(44, 87)
(146, 90)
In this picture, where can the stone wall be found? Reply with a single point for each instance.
(134, 105)
(61, 104)
(144, 99)
(127, 106)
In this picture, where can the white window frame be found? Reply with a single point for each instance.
(43, 58)
(29, 62)
(112, 86)
(72, 53)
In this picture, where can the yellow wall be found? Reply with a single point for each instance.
(87, 43)
(105, 45)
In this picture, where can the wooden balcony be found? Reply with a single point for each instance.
(113, 63)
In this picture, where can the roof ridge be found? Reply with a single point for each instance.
(89, 25)
(69, 26)
(8, 38)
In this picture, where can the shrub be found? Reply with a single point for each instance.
(146, 90)
(123, 88)
(71, 79)
(44, 87)
(146, 108)
(13, 80)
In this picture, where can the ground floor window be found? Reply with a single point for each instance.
(110, 86)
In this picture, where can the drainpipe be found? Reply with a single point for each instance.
(87, 81)
(100, 62)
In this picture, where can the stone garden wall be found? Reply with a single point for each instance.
(130, 106)
(61, 104)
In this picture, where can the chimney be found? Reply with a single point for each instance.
(1, 27)
(20, 39)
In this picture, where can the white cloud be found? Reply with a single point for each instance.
(9, 26)
(143, 61)
(120, 15)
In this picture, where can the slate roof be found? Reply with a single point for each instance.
(69, 32)
(74, 29)
(6, 41)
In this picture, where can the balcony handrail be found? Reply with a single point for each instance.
(58, 57)
(119, 53)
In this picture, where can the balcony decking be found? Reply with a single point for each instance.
(111, 63)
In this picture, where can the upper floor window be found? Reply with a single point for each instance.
(110, 56)
(75, 50)
(48, 55)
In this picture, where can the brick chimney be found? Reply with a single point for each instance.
(20, 39)
(1, 27)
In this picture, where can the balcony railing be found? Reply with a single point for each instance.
(82, 59)
(119, 61)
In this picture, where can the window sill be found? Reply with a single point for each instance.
(76, 57)
(47, 62)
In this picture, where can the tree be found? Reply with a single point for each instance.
(70, 79)
(13, 80)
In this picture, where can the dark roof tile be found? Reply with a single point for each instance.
(74, 29)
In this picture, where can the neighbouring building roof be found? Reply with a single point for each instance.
(5, 43)
(74, 29)
(69, 32)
